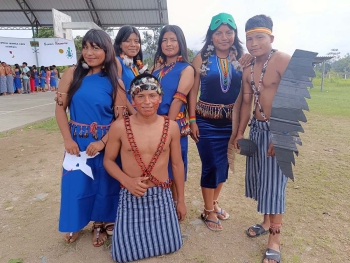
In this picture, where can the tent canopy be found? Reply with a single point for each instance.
(25, 14)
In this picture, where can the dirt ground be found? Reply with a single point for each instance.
(316, 225)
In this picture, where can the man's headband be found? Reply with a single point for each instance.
(146, 83)
(220, 19)
(259, 30)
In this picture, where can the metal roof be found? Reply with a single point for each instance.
(320, 59)
(23, 14)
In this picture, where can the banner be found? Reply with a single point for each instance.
(39, 52)
(16, 50)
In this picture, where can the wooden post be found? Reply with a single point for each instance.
(323, 70)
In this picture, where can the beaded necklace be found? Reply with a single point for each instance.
(256, 91)
(225, 72)
(165, 70)
(146, 171)
(135, 70)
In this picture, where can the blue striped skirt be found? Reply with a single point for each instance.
(265, 181)
(145, 226)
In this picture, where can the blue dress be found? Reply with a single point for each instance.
(170, 83)
(84, 199)
(127, 76)
(36, 79)
(53, 82)
(215, 133)
(17, 80)
(43, 79)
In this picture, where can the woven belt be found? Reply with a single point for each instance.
(86, 129)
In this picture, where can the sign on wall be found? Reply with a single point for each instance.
(39, 51)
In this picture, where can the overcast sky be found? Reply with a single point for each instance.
(315, 25)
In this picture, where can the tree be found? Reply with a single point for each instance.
(44, 32)
(78, 47)
(335, 53)
(150, 44)
(342, 65)
(190, 54)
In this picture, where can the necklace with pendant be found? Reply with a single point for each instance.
(225, 72)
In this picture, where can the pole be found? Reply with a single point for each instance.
(323, 70)
(36, 54)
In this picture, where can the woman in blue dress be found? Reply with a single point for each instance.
(17, 79)
(127, 47)
(36, 78)
(53, 82)
(95, 96)
(42, 78)
(219, 80)
(176, 76)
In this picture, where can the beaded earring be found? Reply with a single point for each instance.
(84, 65)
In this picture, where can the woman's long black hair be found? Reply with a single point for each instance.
(207, 41)
(19, 68)
(180, 39)
(103, 41)
(123, 35)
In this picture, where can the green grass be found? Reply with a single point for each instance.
(48, 125)
(333, 100)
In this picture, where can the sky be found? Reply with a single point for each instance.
(313, 25)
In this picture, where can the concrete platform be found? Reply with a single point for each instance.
(20, 110)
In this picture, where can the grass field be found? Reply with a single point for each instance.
(332, 101)
(316, 227)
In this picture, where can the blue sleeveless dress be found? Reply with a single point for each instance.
(36, 79)
(127, 76)
(53, 82)
(215, 133)
(170, 83)
(84, 199)
(43, 79)
(17, 80)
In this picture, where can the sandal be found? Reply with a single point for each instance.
(273, 255)
(222, 214)
(257, 229)
(71, 237)
(109, 227)
(99, 230)
(204, 217)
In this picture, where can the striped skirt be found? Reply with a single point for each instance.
(145, 226)
(265, 181)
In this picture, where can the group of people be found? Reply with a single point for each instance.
(126, 140)
(25, 80)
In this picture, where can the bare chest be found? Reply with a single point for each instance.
(147, 142)
(264, 80)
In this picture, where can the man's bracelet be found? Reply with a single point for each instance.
(103, 142)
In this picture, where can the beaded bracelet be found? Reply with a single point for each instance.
(192, 119)
(180, 96)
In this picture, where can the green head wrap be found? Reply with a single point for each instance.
(220, 19)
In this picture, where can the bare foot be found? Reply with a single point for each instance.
(71, 237)
(100, 235)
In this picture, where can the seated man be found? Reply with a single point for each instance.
(147, 223)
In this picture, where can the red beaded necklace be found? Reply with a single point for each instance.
(146, 171)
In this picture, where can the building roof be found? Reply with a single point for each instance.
(320, 59)
(24, 14)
